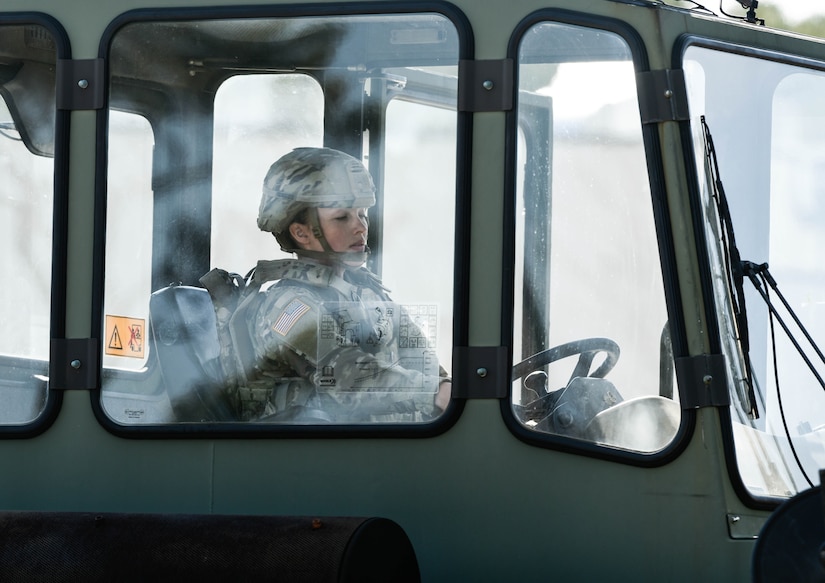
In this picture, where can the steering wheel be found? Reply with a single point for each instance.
(586, 348)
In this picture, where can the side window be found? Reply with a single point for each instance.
(246, 124)
(27, 137)
(592, 358)
(292, 225)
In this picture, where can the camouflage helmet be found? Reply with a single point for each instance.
(312, 178)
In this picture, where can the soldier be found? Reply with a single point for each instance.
(323, 332)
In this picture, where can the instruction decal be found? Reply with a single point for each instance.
(125, 336)
(360, 342)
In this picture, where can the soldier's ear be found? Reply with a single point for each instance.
(300, 233)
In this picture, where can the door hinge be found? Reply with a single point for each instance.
(485, 85)
(79, 84)
(481, 371)
(74, 363)
(662, 95)
(703, 381)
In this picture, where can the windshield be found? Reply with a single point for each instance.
(767, 132)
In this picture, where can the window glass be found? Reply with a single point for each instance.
(420, 153)
(128, 282)
(338, 136)
(591, 340)
(771, 172)
(27, 127)
(128, 272)
(245, 124)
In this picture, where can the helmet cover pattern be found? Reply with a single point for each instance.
(312, 178)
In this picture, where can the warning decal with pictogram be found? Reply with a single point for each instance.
(125, 336)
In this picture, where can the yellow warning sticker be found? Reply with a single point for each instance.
(125, 336)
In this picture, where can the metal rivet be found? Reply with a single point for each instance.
(488, 85)
(75, 364)
(707, 379)
(734, 518)
(83, 83)
(482, 372)
(668, 93)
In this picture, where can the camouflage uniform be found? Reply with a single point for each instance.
(290, 377)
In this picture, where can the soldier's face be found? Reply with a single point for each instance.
(345, 230)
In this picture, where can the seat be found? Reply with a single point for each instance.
(185, 340)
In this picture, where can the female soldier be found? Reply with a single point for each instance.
(323, 334)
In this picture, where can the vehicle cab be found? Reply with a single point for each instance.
(599, 219)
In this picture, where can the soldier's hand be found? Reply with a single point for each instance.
(442, 397)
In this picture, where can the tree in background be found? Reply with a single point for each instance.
(769, 11)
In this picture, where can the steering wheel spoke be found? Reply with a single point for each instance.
(586, 348)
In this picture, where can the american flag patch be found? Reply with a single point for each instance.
(291, 314)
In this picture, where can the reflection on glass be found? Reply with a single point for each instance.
(215, 124)
(590, 321)
(27, 114)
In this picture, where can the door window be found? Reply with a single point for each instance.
(592, 357)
